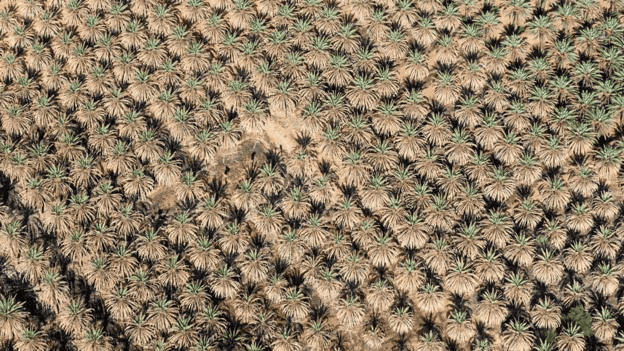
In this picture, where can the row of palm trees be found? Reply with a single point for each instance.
(402, 215)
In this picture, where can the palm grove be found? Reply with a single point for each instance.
(455, 184)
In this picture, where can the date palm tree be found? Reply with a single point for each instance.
(440, 216)
(354, 268)
(75, 318)
(522, 251)
(162, 315)
(546, 314)
(502, 186)
(149, 246)
(518, 336)
(461, 280)
(571, 339)
(469, 242)
(605, 279)
(296, 305)
(578, 257)
(32, 340)
(604, 326)
(491, 311)
(350, 313)
(119, 304)
(223, 284)
(431, 299)
(12, 318)
(173, 272)
(94, 339)
(383, 252)
(412, 233)
(460, 329)
(53, 291)
(139, 331)
(517, 289)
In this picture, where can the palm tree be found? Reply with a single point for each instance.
(33, 262)
(328, 286)
(119, 304)
(605, 281)
(604, 326)
(469, 242)
(393, 215)
(429, 342)
(162, 315)
(355, 172)
(522, 251)
(460, 150)
(517, 289)
(245, 307)
(508, 150)
(360, 93)
(32, 340)
(461, 280)
(354, 268)
(546, 314)
(440, 216)
(581, 219)
(380, 295)
(431, 299)
(491, 311)
(383, 252)
(438, 256)
(142, 287)
(182, 230)
(489, 132)
(94, 339)
(223, 284)
(528, 214)
(150, 247)
(605, 206)
(75, 318)
(518, 336)
(608, 161)
(295, 305)
(12, 318)
(528, 170)
(502, 186)
(254, 266)
(555, 193)
(412, 234)
(167, 169)
(139, 330)
(460, 329)
(12, 240)
(53, 292)
(350, 313)
(173, 272)
(478, 169)
(578, 257)
(210, 213)
(489, 267)
(400, 320)
(571, 339)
